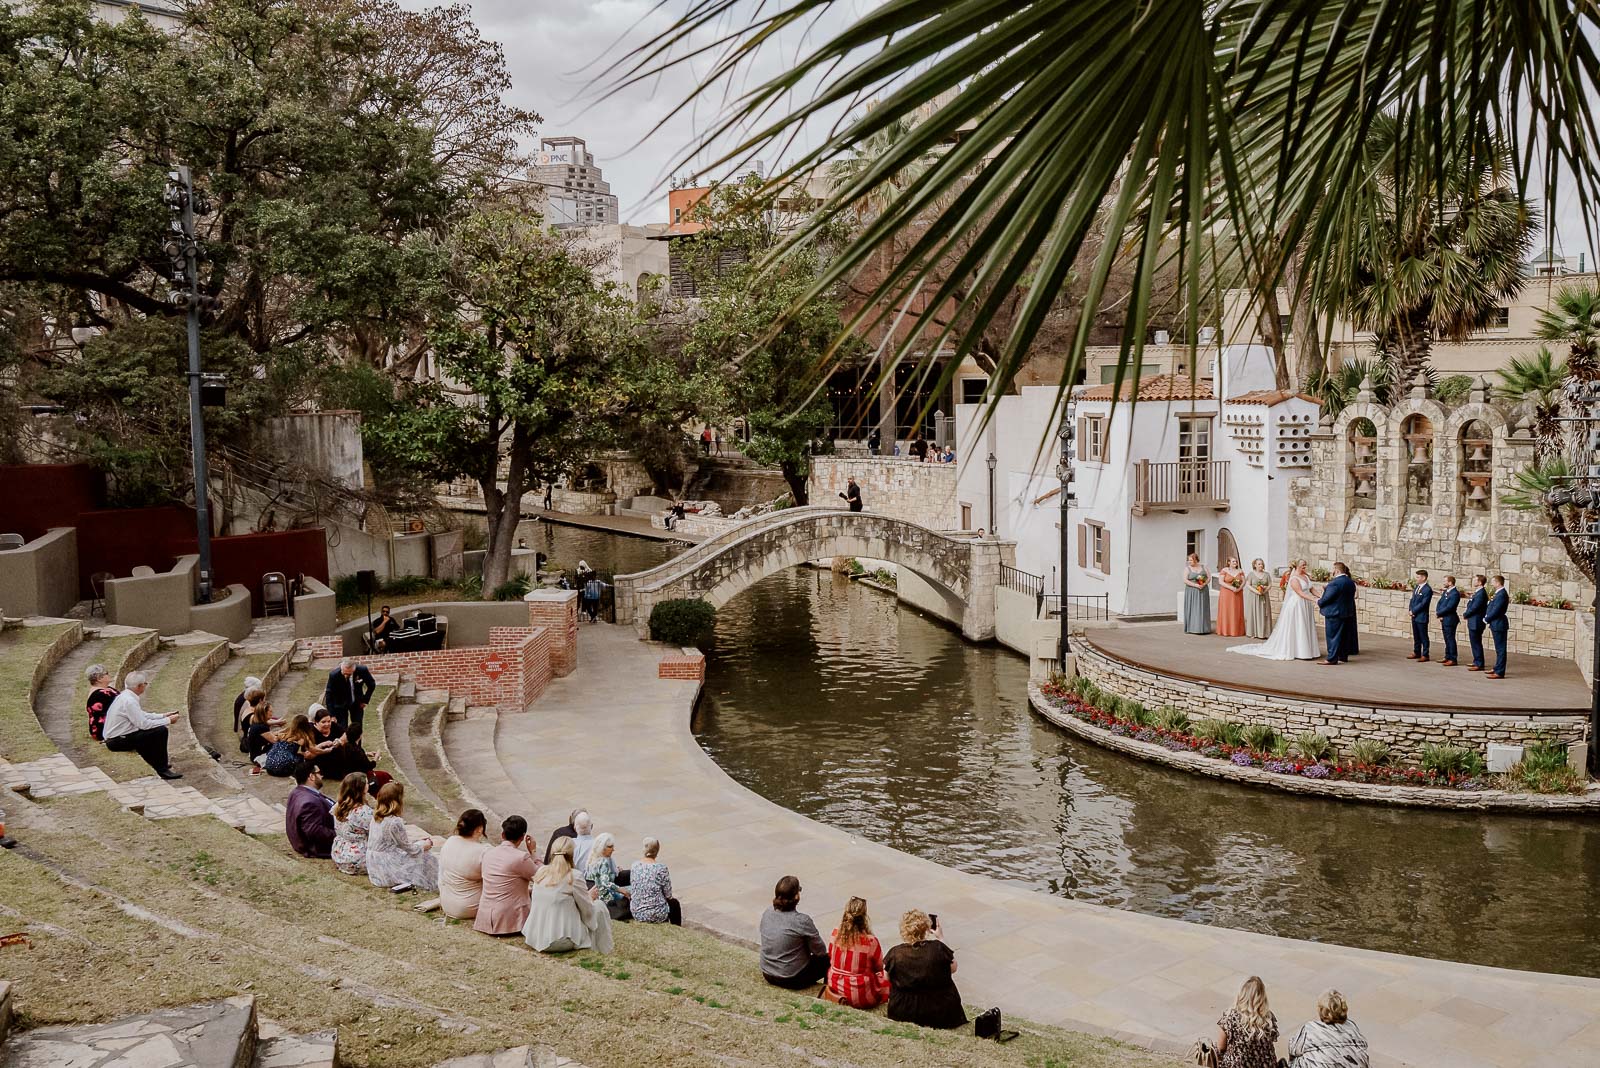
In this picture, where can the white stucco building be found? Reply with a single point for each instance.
(1181, 466)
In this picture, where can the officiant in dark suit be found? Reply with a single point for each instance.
(1449, 602)
(1421, 600)
(1474, 615)
(1338, 606)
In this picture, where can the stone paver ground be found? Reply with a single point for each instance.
(614, 739)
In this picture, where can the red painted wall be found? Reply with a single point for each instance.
(36, 497)
(118, 540)
(244, 558)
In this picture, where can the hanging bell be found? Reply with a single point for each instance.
(1364, 487)
(1478, 493)
(1478, 455)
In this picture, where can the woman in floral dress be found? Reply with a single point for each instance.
(352, 822)
(650, 887)
(393, 859)
(602, 873)
(1247, 1033)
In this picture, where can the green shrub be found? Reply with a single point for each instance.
(1452, 389)
(885, 576)
(1370, 751)
(1260, 737)
(1451, 760)
(1522, 597)
(1281, 748)
(1173, 719)
(1321, 574)
(1136, 713)
(1544, 756)
(407, 585)
(1543, 769)
(471, 588)
(1208, 730)
(512, 589)
(1312, 746)
(684, 621)
(345, 592)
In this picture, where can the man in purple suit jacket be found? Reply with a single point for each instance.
(308, 817)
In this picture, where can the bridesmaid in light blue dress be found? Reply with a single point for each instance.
(1196, 598)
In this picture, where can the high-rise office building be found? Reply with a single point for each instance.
(578, 194)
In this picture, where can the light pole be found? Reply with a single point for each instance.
(992, 462)
(1064, 473)
(184, 254)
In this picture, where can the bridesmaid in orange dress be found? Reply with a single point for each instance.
(1230, 600)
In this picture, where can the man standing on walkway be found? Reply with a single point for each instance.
(1421, 600)
(130, 729)
(1449, 601)
(874, 441)
(1474, 613)
(349, 689)
(549, 488)
(1499, 626)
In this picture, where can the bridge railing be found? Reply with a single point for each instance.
(1085, 606)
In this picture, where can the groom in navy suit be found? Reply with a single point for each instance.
(1338, 605)
(1421, 601)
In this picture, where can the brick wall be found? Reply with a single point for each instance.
(322, 648)
(557, 612)
(687, 664)
(905, 489)
(537, 668)
(523, 653)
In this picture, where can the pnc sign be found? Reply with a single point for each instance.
(493, 667)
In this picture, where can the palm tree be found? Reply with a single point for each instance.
(1170, 126)
(1430, 257)
(1539, 378)
(1575, 319)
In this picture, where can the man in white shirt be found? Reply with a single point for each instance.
(129, 728)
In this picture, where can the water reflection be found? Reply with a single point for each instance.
(826, 698)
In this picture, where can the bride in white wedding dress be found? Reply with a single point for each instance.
(1295, 636)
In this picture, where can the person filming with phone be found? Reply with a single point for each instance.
(922, 986)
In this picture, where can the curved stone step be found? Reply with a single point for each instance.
(60, 701)
(423, 805)
(319, 1049)
(217, 1033)
(211, 716)
(469, 748)
(85, 751)
(27, 657)
(427, 753)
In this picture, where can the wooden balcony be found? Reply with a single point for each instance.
(1180, 486)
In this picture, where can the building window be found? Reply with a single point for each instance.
(1193, 542)
(1099, 547)
(1092, 438)
(972, 390)
(1499, 319)
(1286, 326)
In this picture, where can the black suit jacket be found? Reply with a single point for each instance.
(1475, 606)
(345, 698)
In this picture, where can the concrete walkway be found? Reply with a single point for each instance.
(632, 525)
(613, 738)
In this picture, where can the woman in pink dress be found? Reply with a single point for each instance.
(1230, 600)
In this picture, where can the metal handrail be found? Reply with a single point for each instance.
(1090, 606)
(1022, 581)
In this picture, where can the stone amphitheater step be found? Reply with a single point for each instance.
(205, 655)
(211, 716)
(469, 748)
(427, 752)
(275, 1049)
(519, 1057)
(60, 702)
(423, 804)
(86, 752)
(217, 1034)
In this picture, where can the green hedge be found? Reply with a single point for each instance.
(687, 621)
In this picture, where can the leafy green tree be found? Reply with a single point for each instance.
(529, 366)
(757, 333)
(1538, 378)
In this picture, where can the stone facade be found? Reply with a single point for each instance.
(1427, 492)
(718, 568)
(1405, 731)
(1374, 793)
(917, 492)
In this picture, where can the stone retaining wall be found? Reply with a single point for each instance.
(1404, 731)
(917, 492)
(1372, 793)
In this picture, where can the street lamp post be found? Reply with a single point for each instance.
(1064, 473)
(184, 253)
(992, 462)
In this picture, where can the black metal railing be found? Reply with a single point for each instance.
(1087, 606)
(1021, 581)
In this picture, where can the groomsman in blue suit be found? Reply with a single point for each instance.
(1449, 601)
(1421, 599)
(1338, 605)
(1474, 616)
(1499, 626)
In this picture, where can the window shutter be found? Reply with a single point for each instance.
(1105, 441)
(1083, 545)
(1105, 550)
(1083, 438)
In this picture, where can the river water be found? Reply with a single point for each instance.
(831, 700)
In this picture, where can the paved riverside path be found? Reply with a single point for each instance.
(614, 739)
(636, 526)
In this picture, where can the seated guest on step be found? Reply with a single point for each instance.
(101, 694)
(352, 825)
(793, 955)
(1499, 627)
(582, 841)
(1247, 1033)
(393, 859)
(601, 873)
(855, 972)
(563, 832)
(651, 899)
(251, 685)
(340, 753)
(461, 866)
(508, 871)
(294, 742)
(921, 970)
(308, 816)
(258, 732)
(349, 689)
(563, 914)
(1332, 1040)
(130, 729)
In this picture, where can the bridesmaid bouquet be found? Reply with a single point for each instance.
(1237, 584)
(1261, 588)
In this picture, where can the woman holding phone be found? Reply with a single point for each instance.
(922, 986)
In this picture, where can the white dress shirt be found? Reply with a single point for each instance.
(126, 715)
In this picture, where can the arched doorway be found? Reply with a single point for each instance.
(1226, 547)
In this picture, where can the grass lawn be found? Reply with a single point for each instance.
(21, 737)
(322, 950)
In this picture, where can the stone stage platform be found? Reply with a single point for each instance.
(1380, 676)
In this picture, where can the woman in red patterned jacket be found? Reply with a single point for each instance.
(855, 960)
(101, 694)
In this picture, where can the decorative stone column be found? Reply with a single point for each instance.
(557, 612)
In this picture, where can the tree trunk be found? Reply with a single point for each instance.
(796, 480)
(1413, 343)
(1272, 330)
(503, 516)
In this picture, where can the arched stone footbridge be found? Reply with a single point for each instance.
(964, 568)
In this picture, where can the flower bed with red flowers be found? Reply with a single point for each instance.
(1244, 756)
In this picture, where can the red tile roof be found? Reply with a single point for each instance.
(1269, 397)
(1157, 388)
